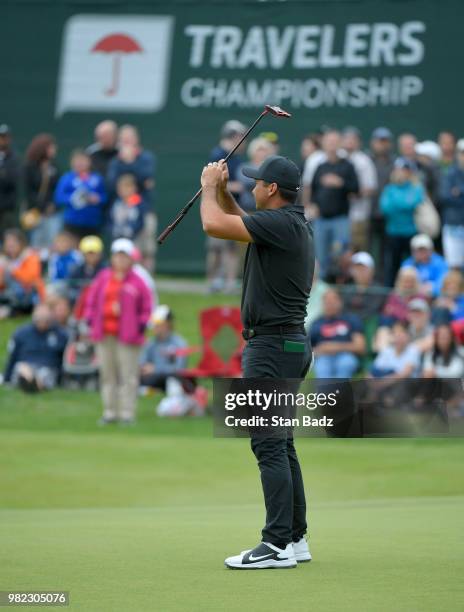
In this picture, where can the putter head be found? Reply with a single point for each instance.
(277, 111)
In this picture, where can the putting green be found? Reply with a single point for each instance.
(133, 522)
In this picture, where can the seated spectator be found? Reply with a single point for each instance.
(337, 340)
(452, 209)
(36, 353)
(83, 196)
(159, 360)
(117, 310)
(420, 326)
(451, 296)
(60, 307)
(315, 302)
(128, 210)
(362, 298)
(91, 248)
(406, 288)
(444, 360)
(65, 258)
(401, 358)
(430, 266)
(398, 201)
(21, 285)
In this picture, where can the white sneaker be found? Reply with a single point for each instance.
(264, 556)
(301, 550)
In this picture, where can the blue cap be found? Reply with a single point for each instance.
(405, 164)
(382, 133)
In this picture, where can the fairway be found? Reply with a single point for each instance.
(144, 522)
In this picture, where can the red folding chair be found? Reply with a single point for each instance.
(222, 344)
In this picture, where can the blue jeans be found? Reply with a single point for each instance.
(331, 237)
(342, 365)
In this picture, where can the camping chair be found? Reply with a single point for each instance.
(222, 344)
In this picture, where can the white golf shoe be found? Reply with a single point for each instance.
(301, 550)
(264, 556)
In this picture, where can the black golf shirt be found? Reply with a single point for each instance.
(279, 267)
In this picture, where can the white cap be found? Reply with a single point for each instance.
(428, 148)
(419, 304)
(161, 313)
(123, 245)
(363, 259)
(422, 241)
(460, 145)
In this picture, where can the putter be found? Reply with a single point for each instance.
(276, 111)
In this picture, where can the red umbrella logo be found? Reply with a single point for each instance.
(116, 44)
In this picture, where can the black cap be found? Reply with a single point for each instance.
(276, 169)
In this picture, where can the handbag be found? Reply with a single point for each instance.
(427, 219)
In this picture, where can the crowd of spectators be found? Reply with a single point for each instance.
(388, 219)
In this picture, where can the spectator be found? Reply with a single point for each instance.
(314, 307)
(41, 176)
(83, 195)
(430, 266)
(337, 339)
(361, 204)
(104, 149)
(428, 159)
(61, 311)
(451, 296)
(452, 204)
(407, 149)
(65, 258)
(333, 183)
(362, 298)
(258, 150)
(128, 211)
(313, 161)
(144, 274)
(381, 147)
(420, 326)
(223, 256)
(309, 145)
(447, 142)
(273, 139)
(134, 159)
(36, 353)
(407, 287)
(444, 359)
(21, 285)
(400, 359)
(91, 248)
(398, 201)
(9, 180)
(159, 358)
(118, 308)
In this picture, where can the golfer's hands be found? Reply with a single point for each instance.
(224, 176)
(211, 177)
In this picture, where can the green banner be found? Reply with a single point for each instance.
(180, 70)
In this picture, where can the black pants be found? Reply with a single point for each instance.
(281, 478)
(397, 248)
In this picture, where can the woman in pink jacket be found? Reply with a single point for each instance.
(118, 308)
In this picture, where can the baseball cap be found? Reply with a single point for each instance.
(271, 137)
(460, 145)
(4, 129)
(91, 244)
(351, 129)
(405, 164)
(363, 259)
(419, 304)
(421, 241)
(161, 314)
(276, 169)
(232, 128)
(123, 245)
(428, 148)
(382, 133)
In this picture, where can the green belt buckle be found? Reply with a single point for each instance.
(294, 347)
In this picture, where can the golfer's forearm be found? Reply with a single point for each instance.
(210, 211)
(228, 204)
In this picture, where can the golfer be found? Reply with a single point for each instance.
(277, 279)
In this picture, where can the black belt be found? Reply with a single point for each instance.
(277, 330)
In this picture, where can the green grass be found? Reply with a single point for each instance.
(141, 519)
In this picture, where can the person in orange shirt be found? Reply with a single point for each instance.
(21, 284)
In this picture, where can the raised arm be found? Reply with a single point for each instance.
(225, 199)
